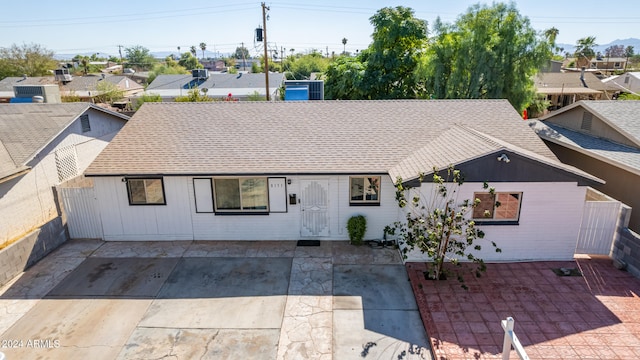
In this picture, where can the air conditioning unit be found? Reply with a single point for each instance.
(26, 93)
(200, 73)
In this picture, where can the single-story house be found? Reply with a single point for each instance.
(602, 138)
(218, 85)
(43, 145)
(565, 88)
(85, 87)
(300, 170)
(608, 63)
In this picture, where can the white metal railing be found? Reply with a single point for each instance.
(510, 339)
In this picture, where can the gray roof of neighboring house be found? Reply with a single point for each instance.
(622, 115)
(327, 137)
(610, 152)
(79, 84)
(555, 82)
(27, 128)
(218, 84)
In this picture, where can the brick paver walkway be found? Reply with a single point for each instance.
(596, 316)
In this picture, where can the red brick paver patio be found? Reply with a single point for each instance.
(596, 316)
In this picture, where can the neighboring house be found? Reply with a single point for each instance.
(85, 87)
(608, 64)
(627, 82)
(563, 89)
(300, 170)
(240, 86)
(42, 145)
(214, 65)
(602, 138)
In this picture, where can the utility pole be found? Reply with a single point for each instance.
(120, 51)
(264, 39)
(244, 64)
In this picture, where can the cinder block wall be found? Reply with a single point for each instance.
(626, 249)
(31, 248)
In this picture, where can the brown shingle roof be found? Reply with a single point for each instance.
(299, 137)
(568, 81)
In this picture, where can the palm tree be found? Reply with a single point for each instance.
(628, 52)
(203, 47)
(193, 50)
(585, 50)
(552, 34)
(85, 63)
(344, 46)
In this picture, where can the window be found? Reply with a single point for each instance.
(145, 191)
(364, 190)
(506, 206)
(84, 121)
(616, 65)
(241, 195)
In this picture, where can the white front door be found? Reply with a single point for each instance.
(314, 201)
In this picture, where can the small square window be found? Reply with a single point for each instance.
(146, 191)
(364, 190)
(497, 207)
(84, 121)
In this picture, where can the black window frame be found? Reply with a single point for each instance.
(240, 211)
(129, 195)
(364, 201)
(493, 221)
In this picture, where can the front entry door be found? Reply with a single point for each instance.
(314, 201)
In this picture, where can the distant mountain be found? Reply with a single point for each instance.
(602, 47)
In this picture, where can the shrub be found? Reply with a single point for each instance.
(357, 226)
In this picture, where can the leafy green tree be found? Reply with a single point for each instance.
(440, 225)
(189, 62)
(388, 63)
(241, 52)
(194, 95)
(398, 41)
(26, 59)
(256, 68)
(584, 51)
(108, 92)
(139, 57)
(302, 66)
(151, 97)
(488, 53)
(345, 79)
(193, 50)
(170, 67)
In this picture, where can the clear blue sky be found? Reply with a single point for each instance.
(73, 26)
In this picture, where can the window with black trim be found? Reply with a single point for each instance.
(146, 191)
(501, 206)
(84, 121)
(364, 190)
(241, 194)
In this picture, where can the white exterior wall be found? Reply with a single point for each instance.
(178, 220)
(550, 218)
(27, 201)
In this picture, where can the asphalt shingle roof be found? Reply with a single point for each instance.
(609, 151)
(623, 115)
(569, 81)
(215, 80)
(26, 128)
(323, 137)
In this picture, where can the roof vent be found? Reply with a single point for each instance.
(587, 118)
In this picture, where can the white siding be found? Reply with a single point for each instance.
(27, 202)
(122, 221)
(550, 218)
(179, 220)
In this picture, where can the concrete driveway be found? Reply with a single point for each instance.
(212, 300)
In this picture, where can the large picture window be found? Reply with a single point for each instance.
(146, 191)
(364, 190)
(502, 206)
(241, 194)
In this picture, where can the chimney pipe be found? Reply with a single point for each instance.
(582, 73)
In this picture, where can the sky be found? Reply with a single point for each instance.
(81, 27)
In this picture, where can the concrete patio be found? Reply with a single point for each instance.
(593, 316)
(217, 300)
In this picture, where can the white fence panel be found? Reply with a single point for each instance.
(598, 229)
(81, 208)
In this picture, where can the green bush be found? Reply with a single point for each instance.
(357, 226)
